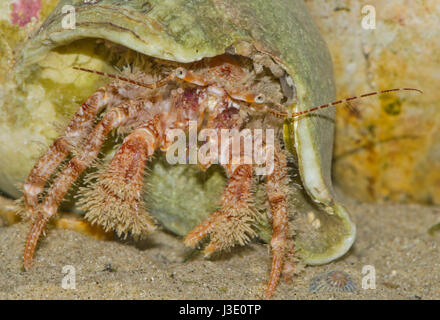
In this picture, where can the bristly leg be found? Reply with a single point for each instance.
(277, 189)
(112, 119)
(232, 223)
(77, 130)
(115, 200)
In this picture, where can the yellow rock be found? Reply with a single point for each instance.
(388, 148)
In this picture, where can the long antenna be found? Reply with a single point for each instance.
(154, 85)
(276, 113)
(283, 114)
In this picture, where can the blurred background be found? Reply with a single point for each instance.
(387, 147)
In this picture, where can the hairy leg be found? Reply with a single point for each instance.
(77, 130)
(232, 223)
(115, 200)
(281, 243)
(112, 119)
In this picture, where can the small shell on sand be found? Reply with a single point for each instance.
(333, 281)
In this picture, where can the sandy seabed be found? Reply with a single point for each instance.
(392, 238)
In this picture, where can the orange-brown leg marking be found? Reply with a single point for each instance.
(32, 239)
(79, 127)
(111, 120)
(276, 188)
(232, 223)
(115, 200)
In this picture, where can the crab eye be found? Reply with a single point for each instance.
(180, 73)
(260, 98)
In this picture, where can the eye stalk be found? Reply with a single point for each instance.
(260, 98)
(180, 73)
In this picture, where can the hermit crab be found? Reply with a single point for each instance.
(251, 66)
